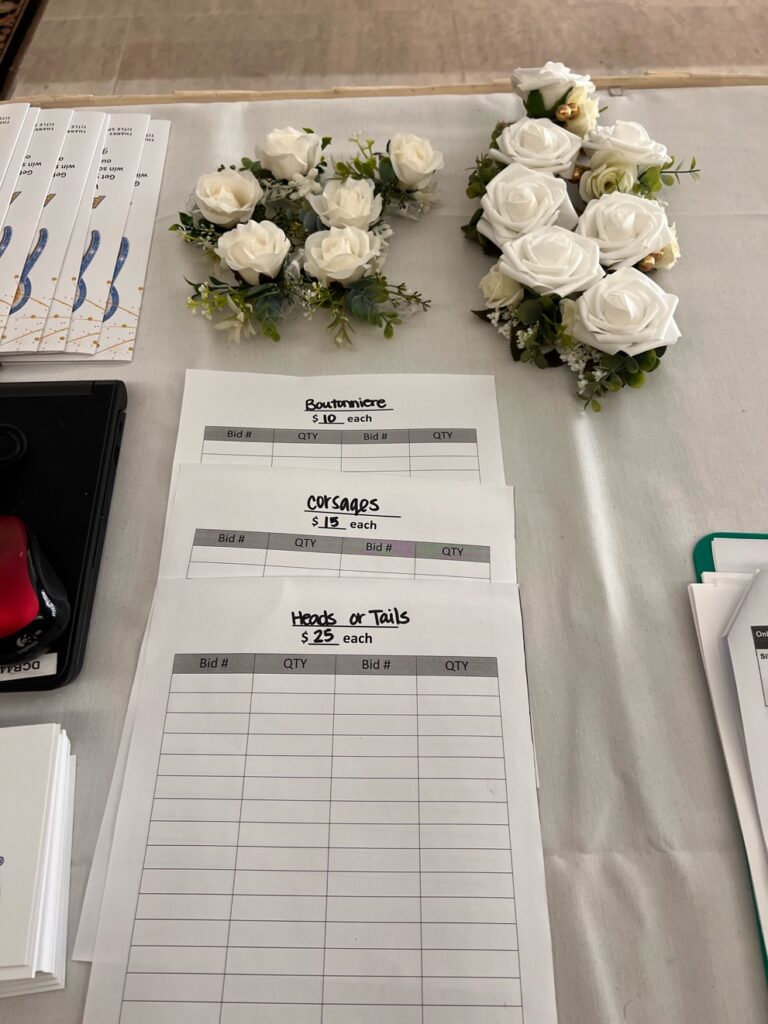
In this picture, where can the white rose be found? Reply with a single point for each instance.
(539, 144)
(629, 141)
(341, 254)
(414, 161)
(609, 172)
(670, 254)
(287, 152)
(589, 111)
(625, 312)
(227, 197)
(347, 203)
(500, 290)
(519, 200)
(253, 249)
(552, 260)
(552, 80)
(626, 228)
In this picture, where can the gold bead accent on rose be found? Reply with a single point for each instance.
(647, 263)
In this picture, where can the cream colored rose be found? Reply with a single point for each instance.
(608, 173)
(342, 254)
(589, 111)
(519, 200)
(539, 144)
(552, 261)
(227, 197)
(626, 228)
(414, 161)
(254, 249)
(347, 203)
(670, 254)
(499, 290)
(552, 80)
(287, 152)
(628, 141)
(625, 312)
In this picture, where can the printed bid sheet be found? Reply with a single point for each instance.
(416, 425)
(329, 813)
(236, 521)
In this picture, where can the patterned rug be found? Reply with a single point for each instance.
(16, 17)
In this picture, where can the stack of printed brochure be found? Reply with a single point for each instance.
(325, 802)
(730, 609)
(37, 792)
(78, 196)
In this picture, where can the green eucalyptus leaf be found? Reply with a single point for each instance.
(535, 105)
(528, 312)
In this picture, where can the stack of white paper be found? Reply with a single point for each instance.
(730, 608)
(78, 196)
(37, 790)
(325, 805)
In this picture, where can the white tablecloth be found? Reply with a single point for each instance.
(649, 897)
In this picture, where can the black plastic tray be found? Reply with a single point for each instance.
(62, 488)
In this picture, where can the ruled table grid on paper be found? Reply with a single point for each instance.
(450, 452)
(329, 844)
(255, 553)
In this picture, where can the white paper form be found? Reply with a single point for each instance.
(27, 201)
(104, 239)
(23, 329)
(418, 425)
(12, 117)
(314, 829)
(56, 328)
(237, 521)
(713, 605)
(121, 317)
(748, 646)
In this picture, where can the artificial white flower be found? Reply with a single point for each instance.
(589, 111)
(627, 228)
(254, 249)
(500, 290)
(539, 144)
(552, 80)
(519, 200)
(625, 312)
(227, 197)
(628, 141)
(342, 254)
(609, 172)
(552, 261)
(414, 161)
(347, 203)
(287, 152)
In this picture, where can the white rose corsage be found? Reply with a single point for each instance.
(288, 231)
(570, 210)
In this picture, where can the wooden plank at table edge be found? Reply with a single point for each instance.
(651, 80)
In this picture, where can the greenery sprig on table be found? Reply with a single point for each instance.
(571, 211)
(290, 234)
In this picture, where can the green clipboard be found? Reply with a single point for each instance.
(703, 558)
(704, 561)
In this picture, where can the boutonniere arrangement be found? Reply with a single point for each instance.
(291, 230)
(571, 211)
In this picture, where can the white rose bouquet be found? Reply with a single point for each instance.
(290, 232)
(569, 209)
